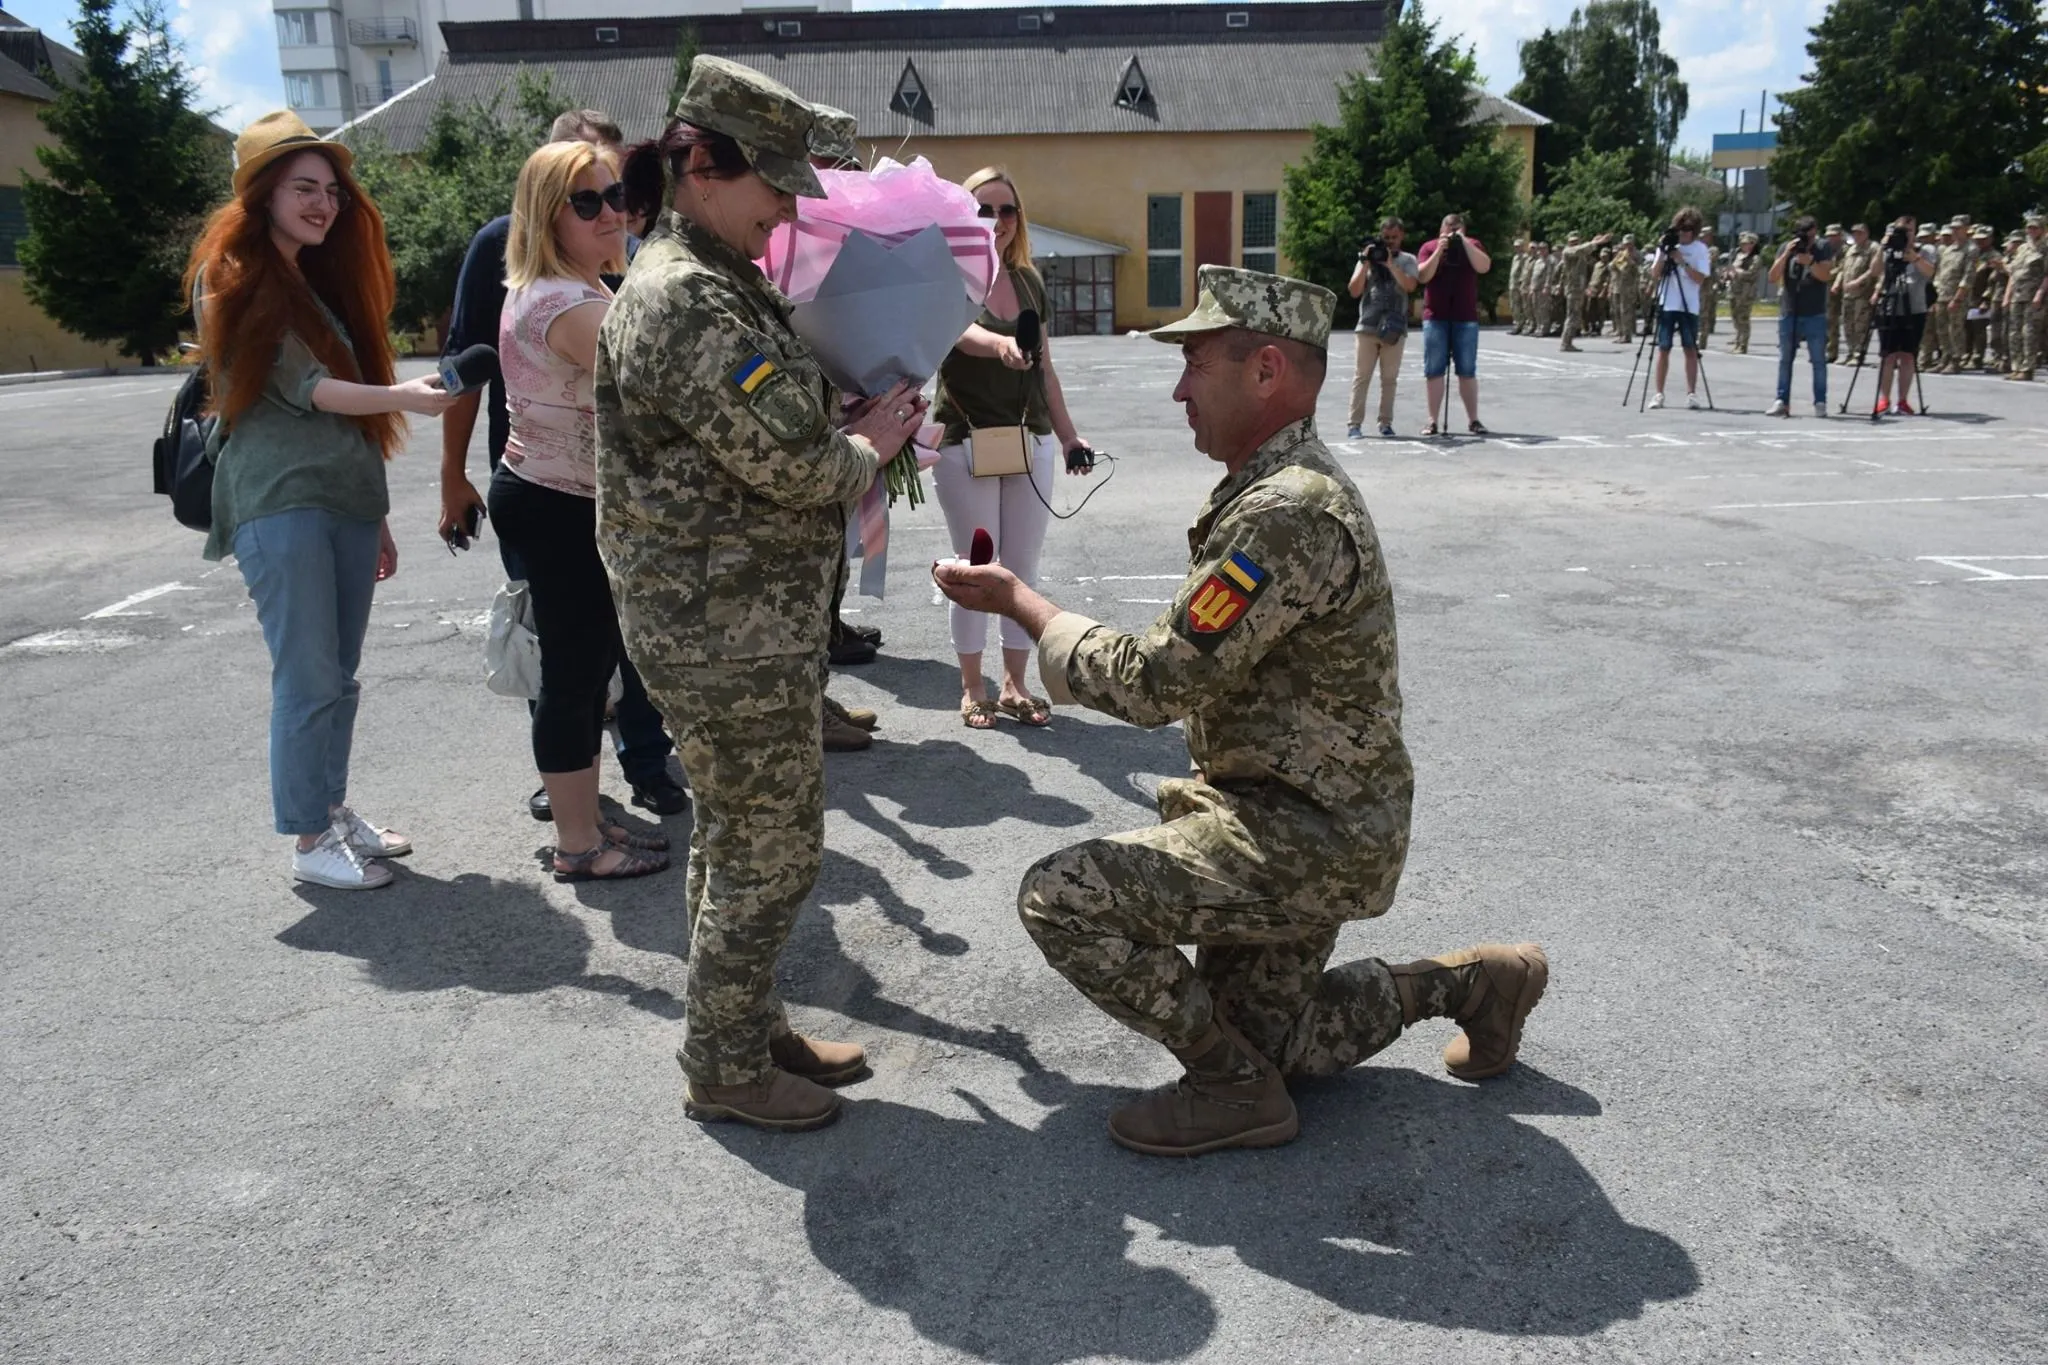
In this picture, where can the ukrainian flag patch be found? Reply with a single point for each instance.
(1241, 571)
(753, 374)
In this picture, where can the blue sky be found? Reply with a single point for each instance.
(1729, 52)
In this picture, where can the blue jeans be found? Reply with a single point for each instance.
(311, 574)
(1811, 328)
(1448, 344)
(641, 737)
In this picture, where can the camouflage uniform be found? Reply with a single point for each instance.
(1578, 278)
(1540, 272)
(1980, 289)
(1743, 272)
(721, 485)
(1558, 304)
(1279, 654)
(1857, 261)
(1518, 287)
(1596, 292)
(1930, 337)
(1710, 289)
(2026, 320)
(1951, 277)
(1625, 289)
(1836, 278)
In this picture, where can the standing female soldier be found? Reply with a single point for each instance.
(719, 485)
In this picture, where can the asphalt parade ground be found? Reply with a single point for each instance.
(1742, 718)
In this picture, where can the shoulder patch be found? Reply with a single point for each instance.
(781, 403)
(1222, 600)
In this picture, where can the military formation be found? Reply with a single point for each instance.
(1989, 314)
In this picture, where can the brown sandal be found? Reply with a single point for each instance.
(978, 715)
(582, 867)
(622, 837)
(1035, 712)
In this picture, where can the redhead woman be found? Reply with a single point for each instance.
(292, 287)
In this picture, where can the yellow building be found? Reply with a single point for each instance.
(1145, 140)
(29, 338)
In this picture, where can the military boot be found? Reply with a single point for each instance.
(1230, 1097)
(1489, 989)
(784, 1103)
(859, 717)
(842, 737)
(814, 1059)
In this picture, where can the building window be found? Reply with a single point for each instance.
(910, 97)
(307, 90)
(1082, 290)
(1262, 232)
(1132, 89)
(1162, 251)
(298, 28)
(13, 222)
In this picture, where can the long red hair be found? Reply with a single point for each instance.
(253, 297)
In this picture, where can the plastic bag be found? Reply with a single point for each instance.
(511, 649)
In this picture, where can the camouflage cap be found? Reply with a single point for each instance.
(1960, 220)
(1859, 227)
(1833, 230)
(832, 136)
(1748, 237)
(1628, 239)
(1272, 305)
(2037, 220)
(1983, 230)
(1571, 238)
(1926, 234)
(770, 121)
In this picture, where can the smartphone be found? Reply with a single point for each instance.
(458, 537)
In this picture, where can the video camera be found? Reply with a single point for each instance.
(1898, 241)
(1375, 253)
(1669, 241)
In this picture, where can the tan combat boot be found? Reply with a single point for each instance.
(1230, 1097)
(814, 1059)
(859, 717)
(1489, 989)
(844, 738)
(783, 1103)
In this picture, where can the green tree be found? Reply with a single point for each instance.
(686, 56)
(1930, 106)
(1607, 85)
(433, 200)
(125, 189)
(1407, 143)
(1590, 196)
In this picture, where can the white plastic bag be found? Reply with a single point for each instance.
(512, 650)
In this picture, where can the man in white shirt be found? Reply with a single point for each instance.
(1677, 268)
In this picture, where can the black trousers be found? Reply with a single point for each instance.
(554, 536)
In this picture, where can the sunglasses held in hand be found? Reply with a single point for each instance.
(589, 203)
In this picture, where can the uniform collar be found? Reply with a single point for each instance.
(714, 250)
(1276, 453)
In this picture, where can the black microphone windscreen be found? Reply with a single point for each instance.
(1030, 332)
(475, 367)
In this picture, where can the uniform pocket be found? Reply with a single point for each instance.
(762, 600)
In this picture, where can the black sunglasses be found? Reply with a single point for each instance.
(589, 203)
(1007, 211)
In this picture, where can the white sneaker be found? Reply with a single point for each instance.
(1657, 399)
(332, 862)
(1777, 409)
(1820, 409)
(366, 839)
(1692, 400)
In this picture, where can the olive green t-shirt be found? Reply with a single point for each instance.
(981, 391)
(283, 453)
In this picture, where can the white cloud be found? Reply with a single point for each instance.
(232, 48)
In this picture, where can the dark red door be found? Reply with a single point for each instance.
(1212, 227)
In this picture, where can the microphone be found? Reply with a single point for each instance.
(983, 548)
(474, 368)
(1030, 333)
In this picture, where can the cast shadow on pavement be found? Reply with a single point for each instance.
(502, 937)
(940, 784)
(1407, 1198)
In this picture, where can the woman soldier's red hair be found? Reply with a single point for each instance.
(253, 296)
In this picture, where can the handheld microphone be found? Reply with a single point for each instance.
(474, 368)
(1030, 333)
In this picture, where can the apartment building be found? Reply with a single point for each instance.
(343, 58)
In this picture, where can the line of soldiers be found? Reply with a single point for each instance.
(1990, 310)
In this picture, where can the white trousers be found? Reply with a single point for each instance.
(1011, 512)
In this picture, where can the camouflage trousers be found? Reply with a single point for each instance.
(1710, 308)
(1739, 309)
(1574, 315)
(1541, 311)
(1109, 915)
(1834, 325)
(1856, 329)
(1954, 342)
(2028, 332)
(751, 741)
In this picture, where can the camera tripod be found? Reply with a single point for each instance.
(1667, 278)
(1919, 387)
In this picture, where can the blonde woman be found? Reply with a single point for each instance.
(568, 231)
(988, 381)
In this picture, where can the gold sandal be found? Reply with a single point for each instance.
(1035, 712)
(978, 715)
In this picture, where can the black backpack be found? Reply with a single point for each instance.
(182, 470)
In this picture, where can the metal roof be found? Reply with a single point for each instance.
(1050, 241)
(1278, 70)
(16, 80)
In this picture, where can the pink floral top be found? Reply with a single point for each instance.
(553, 441)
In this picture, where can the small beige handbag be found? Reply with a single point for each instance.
(993, 452)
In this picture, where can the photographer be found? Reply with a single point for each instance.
(1382, 282)
(1678, 269)
(1900, 296)
(1449, 268)
(1801, 271)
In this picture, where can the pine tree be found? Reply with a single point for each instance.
(1405, 143)
(686, 57)
(126, 187)
(1607, 85)
(1929, 107)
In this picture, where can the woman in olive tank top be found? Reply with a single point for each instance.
(987, 381)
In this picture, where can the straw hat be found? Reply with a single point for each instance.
(277, 135)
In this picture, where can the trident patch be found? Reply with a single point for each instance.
(1222, 600)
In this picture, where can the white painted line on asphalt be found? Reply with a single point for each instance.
(1975, 564)
(1135, 578)
(122, 607)
(1147, 601)
(1872, 502)
(73, 642)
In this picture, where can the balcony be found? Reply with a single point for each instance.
(385, 32)
(370, 96)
